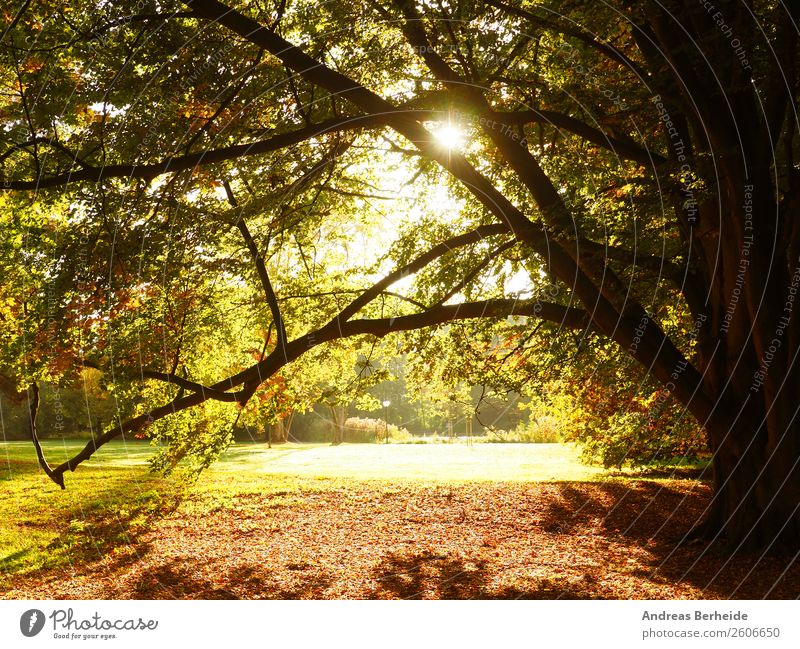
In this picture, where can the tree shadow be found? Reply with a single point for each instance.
(626, 511)
(665, 473)
(430, 576)
(103, 529)
(108, 528)
(182, 580)
(643, 521)
(658, 517)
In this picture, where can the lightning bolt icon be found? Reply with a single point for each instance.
(32, 621)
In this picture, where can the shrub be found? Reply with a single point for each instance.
(363, 430)
(649, 430)
(542, 430)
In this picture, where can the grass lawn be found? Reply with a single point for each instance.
(458, 462)
(497, 462)
(354, 521)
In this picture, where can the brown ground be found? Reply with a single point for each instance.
(406, 540)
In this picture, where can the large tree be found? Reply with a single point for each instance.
(635, 159)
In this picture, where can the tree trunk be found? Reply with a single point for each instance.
(287, 424)
(278, 432)
(748, 352)
(756, 487)
(338, 418)
(281, 429)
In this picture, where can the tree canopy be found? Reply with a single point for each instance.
(219, 205)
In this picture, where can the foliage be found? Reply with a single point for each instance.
(543, 430)
(362, 430)
(646, 431)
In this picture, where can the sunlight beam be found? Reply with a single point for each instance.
(450, 137)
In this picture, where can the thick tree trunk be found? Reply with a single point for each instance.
(756, 502)
(748, 357)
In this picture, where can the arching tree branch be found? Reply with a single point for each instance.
(657, 352)
(204, 391)
(33, 411)
(556, 313)
(174, 164)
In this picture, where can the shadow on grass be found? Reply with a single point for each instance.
(113, 524)
(85, 527)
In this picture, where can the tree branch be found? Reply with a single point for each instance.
(33, 411)
(472, 274)
(659, 265)
(206, 392)
(15, 21)
(148, 172)
(136, 18)
(564, 316)
(624, 149)
(261, 268)
(44, 140)
(474, 236)
(337, 328)
(170, 377)
(588, 38)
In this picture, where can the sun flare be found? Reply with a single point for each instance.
(450, 137)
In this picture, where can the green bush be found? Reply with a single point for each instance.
(363, 430)
(544, 430)
(638, 438)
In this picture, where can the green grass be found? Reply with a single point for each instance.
(113, 498)
(445, 462)
(42, 526)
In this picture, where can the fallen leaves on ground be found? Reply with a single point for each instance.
(373, 539)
